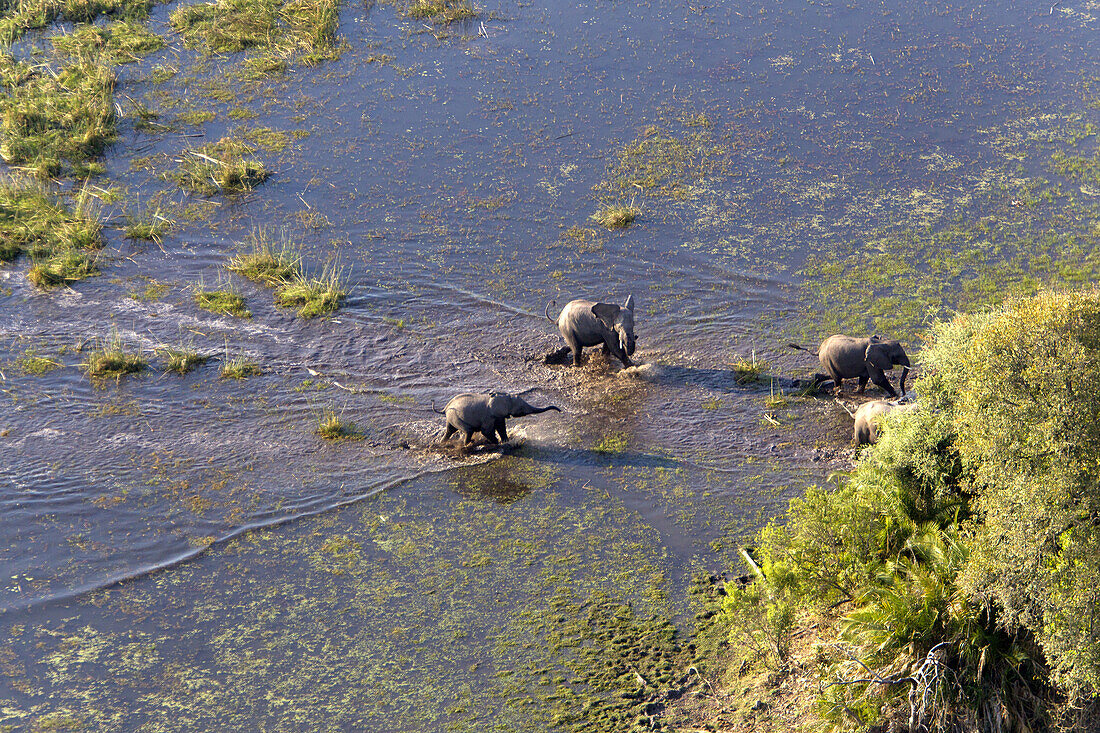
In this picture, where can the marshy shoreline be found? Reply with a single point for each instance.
(246, 244)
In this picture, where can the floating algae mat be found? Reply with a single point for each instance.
(383, 198)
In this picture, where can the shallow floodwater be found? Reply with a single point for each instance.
(799, 168)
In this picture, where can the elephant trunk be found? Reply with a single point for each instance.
(904, 374)
(536, 410)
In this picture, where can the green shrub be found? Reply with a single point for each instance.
(955, 570)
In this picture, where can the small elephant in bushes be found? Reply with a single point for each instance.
(485, 414)
(867, 418)
(845, 357)
(585, 323)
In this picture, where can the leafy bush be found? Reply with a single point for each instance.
(955, 573)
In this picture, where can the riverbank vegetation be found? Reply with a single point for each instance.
(950, 581)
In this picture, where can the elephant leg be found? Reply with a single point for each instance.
(879, 377)
(503, 430)
(862, 384)
(490, 436)
(575, 347)
(838, 382)
(617, 352)
(468, 438)
(606, 350)
(451, 430)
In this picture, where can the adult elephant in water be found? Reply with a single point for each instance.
(585, 323)
(846, 357)
(486, 414)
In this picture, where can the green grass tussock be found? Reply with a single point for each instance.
(279, 265)
(49, 118)
(222, 301)
(953, 572)
(266, 261)
(615, 217)
(19, 17)
(121, 42)
(332, 426)
(313, 296)
(183, 359)
(60, 240)
(240, 368)
(111, 360)
(305, 28)
(226, 166)
(439, 11)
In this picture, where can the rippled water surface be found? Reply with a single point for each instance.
(800, 168)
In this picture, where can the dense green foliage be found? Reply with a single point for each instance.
(955, 571)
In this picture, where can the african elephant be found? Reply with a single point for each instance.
(845, 357)
(485, 414)
(584, 323)
(867, 419)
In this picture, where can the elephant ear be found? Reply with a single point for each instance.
(500, 404)
(607, 313)
(877, 356)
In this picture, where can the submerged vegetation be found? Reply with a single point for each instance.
(950, 578)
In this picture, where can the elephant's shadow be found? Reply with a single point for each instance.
(550, 453)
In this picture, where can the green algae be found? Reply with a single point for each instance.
(409, 611)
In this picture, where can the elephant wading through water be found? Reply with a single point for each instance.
(845, 357)
(585, 323)
(485, 414)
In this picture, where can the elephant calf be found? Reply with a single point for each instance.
(845, 357)
(584, 323)
(485, 414)
(867, 418)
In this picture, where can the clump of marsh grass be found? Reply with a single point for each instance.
(183, 359)
(19, 17)
(34, 221)
(240, 367)
(225, 166)
(123, 41)
(776, 398)
(279, 265)
(332, 426)
(148, 225)
(439, 11)
(111, 360)
(61, 269)
(313, 296)
(224, 300)
(266, 261)
(616, 217)
(47, 118)
(305, 27)
(747, 371)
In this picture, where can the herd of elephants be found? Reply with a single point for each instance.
(585, 323)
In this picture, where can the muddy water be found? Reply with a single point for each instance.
(795, 165)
